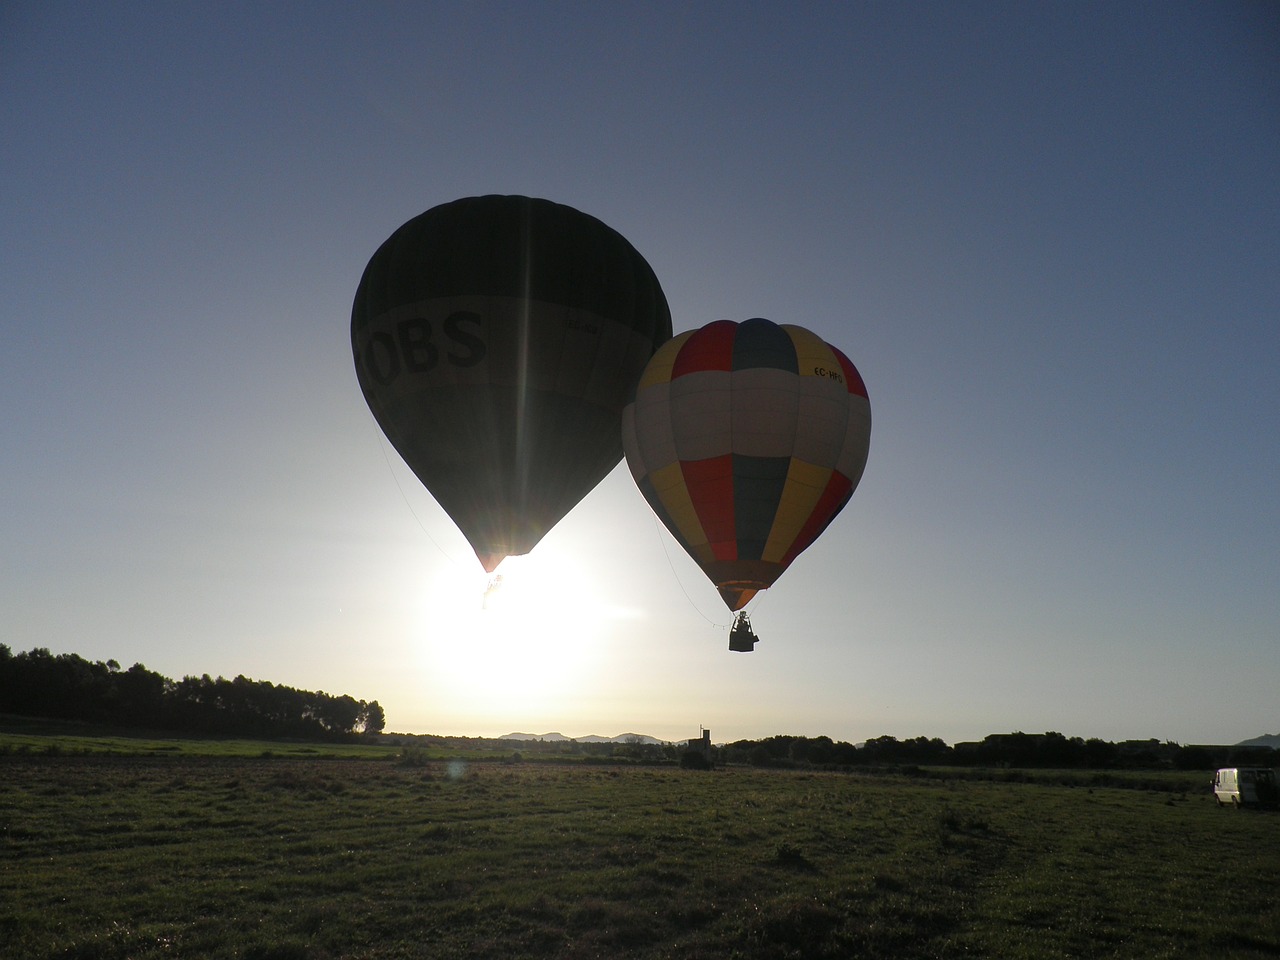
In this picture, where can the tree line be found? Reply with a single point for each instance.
(68, 687)
(1050, 750)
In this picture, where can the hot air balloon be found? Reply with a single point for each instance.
(496, 341)
(747, 439)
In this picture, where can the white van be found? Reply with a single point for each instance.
(1245, 786)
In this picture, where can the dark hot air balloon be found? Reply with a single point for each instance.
(747, 439)
(496, 341)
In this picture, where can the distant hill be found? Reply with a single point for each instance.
(1271, 740)
(560, 737)
(621, 738)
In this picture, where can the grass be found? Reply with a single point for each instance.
(28, 735)
(46, 737)
(280, 858)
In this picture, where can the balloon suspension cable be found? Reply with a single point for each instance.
(381, 441)
(676, 576)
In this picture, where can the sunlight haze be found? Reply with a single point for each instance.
(1047, 234)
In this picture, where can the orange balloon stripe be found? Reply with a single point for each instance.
(710, 485)
(710, 348)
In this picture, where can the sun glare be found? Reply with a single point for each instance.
(516, 644)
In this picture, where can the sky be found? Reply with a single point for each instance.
(1047, 234)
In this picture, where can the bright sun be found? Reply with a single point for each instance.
(514, 645)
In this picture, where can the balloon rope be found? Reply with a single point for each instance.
(676, 576)
(381, 441)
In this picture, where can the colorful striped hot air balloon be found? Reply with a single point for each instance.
(747, 439)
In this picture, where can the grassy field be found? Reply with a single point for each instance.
(274, 858)
(25, 736)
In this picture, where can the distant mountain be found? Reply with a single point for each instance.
(620, 738)
(1271, 740)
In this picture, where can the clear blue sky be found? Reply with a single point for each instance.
(1048, 234)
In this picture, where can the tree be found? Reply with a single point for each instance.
(373, 720)
(337, 714)
(67, 686)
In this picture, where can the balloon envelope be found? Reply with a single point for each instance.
(496, 340)
(747, 439)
